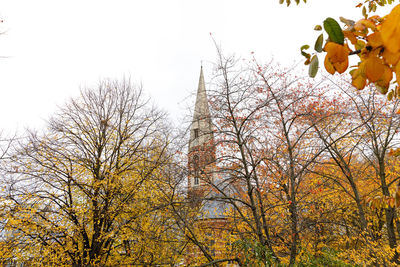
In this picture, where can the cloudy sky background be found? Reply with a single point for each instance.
(52, 48)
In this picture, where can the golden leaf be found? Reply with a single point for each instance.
(397, 197)
(351, 36)
(358, 79)
(375, 39)
(386, 77)
(374, 68)
(341, 66)
(337, 57)
(390, 30)
(328, 65)
(390, 58)
(397, 70)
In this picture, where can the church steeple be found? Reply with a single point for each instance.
(201, 128)
(201, 142)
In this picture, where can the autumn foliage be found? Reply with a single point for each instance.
(306, 173)
(374, 39)
(301, 172)
(314, 182)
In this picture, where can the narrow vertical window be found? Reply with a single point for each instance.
(196, 169)
(196, 133)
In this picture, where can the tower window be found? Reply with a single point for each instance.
(196, 133)
(196, 169)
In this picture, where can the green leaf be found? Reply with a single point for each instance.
(317, 28)
(390, 96)
(305, 47)
(318, 43)
(313, 69)
(364, 12)
(334, 31)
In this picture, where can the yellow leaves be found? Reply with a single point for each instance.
(384, 81)
(358, 77)
(351, 36)
(382, 53)
(375, 39)
(390, 31)
(336, 52)
(389, 57)
(396, 197)
(374, 68)
(337, 57)
(380, 202)
(397, 71)
(328, 66)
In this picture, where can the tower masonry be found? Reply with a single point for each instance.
(201, 144)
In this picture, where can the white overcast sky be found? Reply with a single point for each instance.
(51, 48)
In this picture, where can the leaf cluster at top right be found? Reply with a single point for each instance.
(376, 40)
(377, 43)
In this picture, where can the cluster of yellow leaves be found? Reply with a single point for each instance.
(337, 57)
(375, 39)
(341, 235)
(380, 53)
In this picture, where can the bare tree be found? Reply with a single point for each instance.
(83, 191)
(380, 135)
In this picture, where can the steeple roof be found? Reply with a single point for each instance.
(201, 109)
(201, 128)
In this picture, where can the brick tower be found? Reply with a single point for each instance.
(201, 145)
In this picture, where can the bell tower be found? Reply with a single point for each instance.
(201, 144)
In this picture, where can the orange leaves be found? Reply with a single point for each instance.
(394, 152)
(397, 71)
(390, 58)
(359, 80)
(391, 31)
(375, 40)
(383, 82)
(328, 66)
(337, 57)
(374, 68)
(351, 36)
(396, 197)
(381, 53)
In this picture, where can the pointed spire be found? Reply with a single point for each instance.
(201, 108)
(201, 129)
